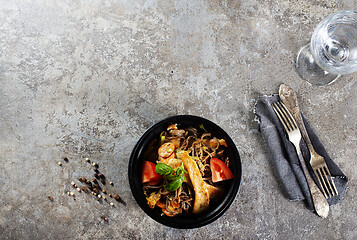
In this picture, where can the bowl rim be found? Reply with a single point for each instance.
(197, 221)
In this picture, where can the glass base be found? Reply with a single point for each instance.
(310, 71)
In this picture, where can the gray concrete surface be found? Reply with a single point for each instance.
(87, 78)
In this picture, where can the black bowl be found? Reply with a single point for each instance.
(216, 209)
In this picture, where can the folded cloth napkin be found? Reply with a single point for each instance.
(284, 157)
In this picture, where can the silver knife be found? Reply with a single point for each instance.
(287, 95)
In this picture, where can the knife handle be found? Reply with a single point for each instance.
(303, 131)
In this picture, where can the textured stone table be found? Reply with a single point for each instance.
(87, 78)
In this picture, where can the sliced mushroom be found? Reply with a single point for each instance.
(177, 133)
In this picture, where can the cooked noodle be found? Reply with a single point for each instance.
(201, 146)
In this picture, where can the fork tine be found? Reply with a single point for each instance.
(328, 179)
(279, 114)
(287, 112)
(321, 176)
(285, 122)
(319, 180)
(330, 190)
(331, 180)
(288, 115)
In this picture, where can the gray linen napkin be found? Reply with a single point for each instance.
(284, 158)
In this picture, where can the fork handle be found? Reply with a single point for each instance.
(320, 203)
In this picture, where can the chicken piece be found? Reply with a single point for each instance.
(172, 126)
(214, 192)
(153, 199)
(201, 203)
(223, 142)
(176, 142)
(174, 209)
(172, 162)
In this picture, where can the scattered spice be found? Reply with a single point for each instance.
(93, 186)
(82, 179)
(116, 197)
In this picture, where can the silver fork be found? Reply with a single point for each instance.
(320, 203)
(317, 162)
(321, 171)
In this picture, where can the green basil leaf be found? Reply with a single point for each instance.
(172, 186)
(180, 171)
(163, 169)
(170, 177)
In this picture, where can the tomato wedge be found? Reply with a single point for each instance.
(149, 175)
(219, 170)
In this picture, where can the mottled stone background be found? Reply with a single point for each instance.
(87, 78)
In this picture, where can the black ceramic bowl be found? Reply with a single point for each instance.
(216, 209)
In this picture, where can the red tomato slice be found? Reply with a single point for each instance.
(219, 170)
(149, 175)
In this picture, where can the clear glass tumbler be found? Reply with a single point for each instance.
(332, 51)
